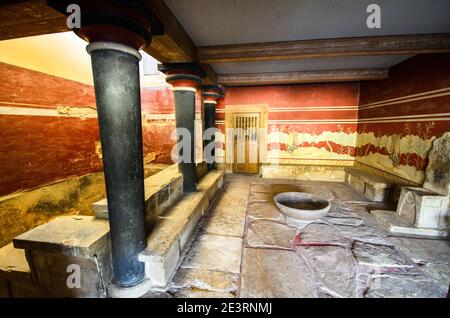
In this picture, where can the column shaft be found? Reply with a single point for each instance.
(184, 78)
(184, 117)
(210, 122)
(117, 91)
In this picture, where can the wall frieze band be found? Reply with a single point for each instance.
(408, 98)
(29, 105)
(50, 112)
(427, 117)
(304, 109)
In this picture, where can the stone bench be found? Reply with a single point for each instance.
(162, 190)
(36, 263)
(375, 188)
(43, 254)
(168, 240)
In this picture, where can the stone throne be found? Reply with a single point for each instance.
(423, 210)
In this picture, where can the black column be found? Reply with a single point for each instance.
(116, 80)
(211, 94)
(184, 117)
(210, 122)
(184, 78)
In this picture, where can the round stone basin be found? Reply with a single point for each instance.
(301, 205)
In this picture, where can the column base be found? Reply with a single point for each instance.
(137, 291)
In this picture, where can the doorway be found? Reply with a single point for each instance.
(246, 142)
(246, 137)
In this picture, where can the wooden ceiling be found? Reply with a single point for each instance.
(34, 17)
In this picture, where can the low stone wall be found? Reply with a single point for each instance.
(38, 263)
(162, 190)
(374, 187)
(303, 172)
(168, 241)
(25, 210)
(42, 260)
(384, 174)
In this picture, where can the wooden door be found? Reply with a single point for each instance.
(246, 142)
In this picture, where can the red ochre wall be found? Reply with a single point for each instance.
(399, 117)
(159, 121)
(38, 146)
(309, 123)
(49, 130)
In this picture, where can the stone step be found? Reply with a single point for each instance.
(375, 188)
(167, 241)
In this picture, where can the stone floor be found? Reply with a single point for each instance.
(246, 248)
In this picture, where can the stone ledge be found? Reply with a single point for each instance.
(13, 264)
(369, 178)
(162, 190)
(52, 247)
(168, 239)
(373, 187)
(73, 235)
(14, 269)
(84, 240)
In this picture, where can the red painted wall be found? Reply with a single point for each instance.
(404, 114)
(35, 89)
(36, 150)
(39, 149)
(305, 112)
(159, 125)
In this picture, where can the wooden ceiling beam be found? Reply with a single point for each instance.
(28, 18)
(22, 18)
(175, 45)
(293, 50)
(302, 77)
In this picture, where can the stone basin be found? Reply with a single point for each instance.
(301, 205)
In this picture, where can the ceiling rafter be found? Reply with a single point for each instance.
(358, 46)
(303, 77)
